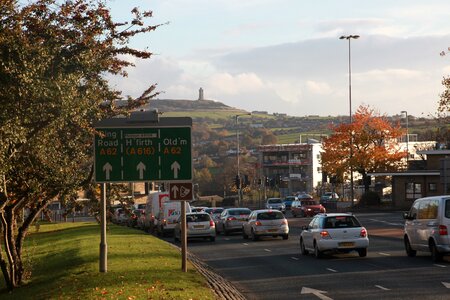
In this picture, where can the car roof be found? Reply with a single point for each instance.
(265, 210)
(337, 215)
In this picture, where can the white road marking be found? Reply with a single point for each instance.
(227, 239)
(245, 244)
(295, 258)
(440, 266)
(385, 254)
(317, 293)
(267, 250)
(382, 288)
(332, 270)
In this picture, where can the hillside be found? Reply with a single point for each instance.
(169, 105)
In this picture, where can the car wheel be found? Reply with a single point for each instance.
(362, 252)
(436, 256)
(302, 214)
(303, 250)
(285, 236)
(294, 215)
(409, 251)
(254, 236)
(244, 235)
(212, 239)
(317, 252)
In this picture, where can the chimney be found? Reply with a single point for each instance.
(200, 94)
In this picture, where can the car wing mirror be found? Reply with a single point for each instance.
(407, 216)
(305, 227)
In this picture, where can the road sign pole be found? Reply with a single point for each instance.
(183, 237)
(103, 245)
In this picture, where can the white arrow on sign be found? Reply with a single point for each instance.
(141, 168)
(107, 168)
(317, 293)
(175, 191)
(446, 284)
(175, 167)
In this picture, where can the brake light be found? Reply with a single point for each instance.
(363, 233)
(325, 235)
(212, 224)
(258, 223)
(443, 230)
(164, 221)
(231, 219)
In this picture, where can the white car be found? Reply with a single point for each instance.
(426, 227)
(337, 232)
(265, 222)
(276, 203)
(198, 225)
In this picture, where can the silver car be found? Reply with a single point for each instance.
(265, 222)
(231, 220)
(427, 226)
(276, 203)
(338, 232)
(198, 225)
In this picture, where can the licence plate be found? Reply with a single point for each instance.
(346, 244)
(271, 230)
(198, 226)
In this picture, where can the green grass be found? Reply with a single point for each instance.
(65, 265)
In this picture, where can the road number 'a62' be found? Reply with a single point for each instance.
(172, 150)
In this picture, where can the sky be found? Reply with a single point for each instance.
(285, 56)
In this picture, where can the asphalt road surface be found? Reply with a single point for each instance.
(273, 268)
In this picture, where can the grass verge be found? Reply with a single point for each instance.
(65, 265)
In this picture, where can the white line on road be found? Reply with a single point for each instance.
(385, 254)
(245, 244)
(440, 266)
(332, 270)
(295, 258)
(382, 288)
(227, 239)
(267, 250)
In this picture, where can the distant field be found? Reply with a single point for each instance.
(294, 137)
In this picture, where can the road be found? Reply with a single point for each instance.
(274, 268)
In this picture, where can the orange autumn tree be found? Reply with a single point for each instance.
(374, 146)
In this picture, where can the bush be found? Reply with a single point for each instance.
(370, 199)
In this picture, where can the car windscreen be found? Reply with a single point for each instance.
(198, 218)
(237, 212)
(270, 215)
(341, 222)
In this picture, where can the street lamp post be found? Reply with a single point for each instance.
(237, 155)
(349, 38)
(407, 137)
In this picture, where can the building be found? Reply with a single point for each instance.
(291, 167)
(427, 177)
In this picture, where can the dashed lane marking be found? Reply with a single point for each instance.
(440, 266)
(332, 270)
(267, 250)
(295, 258)
(384, 254)
(382, 288)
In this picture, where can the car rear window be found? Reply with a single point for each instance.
(341, 222)
(238, 212)
(308, 203)
(447, 208)
(274, 201)
(270, 215)
(198, 218)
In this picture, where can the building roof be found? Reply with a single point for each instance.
(407, 173)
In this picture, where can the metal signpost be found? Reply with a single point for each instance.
(142, 148)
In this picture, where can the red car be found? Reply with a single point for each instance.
(306, 208)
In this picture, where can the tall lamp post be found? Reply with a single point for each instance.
(349, 38)
(238, 178)
(407, 137)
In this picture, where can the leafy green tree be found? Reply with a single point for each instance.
(54, 58)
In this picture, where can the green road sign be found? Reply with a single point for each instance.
(143, 152)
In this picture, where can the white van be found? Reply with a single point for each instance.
(427, 227)
(155, 202)
(168, 215)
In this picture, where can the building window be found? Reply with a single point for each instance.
(432, 187)
(413, 190)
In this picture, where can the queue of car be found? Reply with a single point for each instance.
(426, 225)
